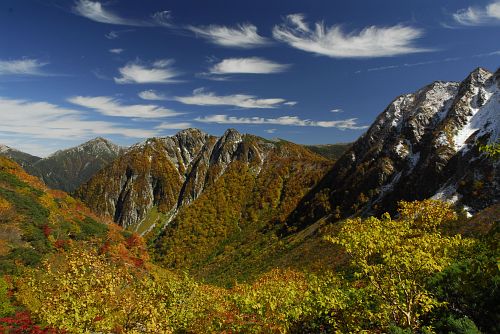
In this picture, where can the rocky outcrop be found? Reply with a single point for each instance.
(423, 145)
(172, 172)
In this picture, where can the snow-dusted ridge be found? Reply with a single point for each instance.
(423, 145)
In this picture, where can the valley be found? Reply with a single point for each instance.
(238, 233)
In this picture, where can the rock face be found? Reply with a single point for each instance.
(67, 169)
(169, 173)
(423, 145)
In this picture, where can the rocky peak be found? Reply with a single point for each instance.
(92, 147)
(190, 133)
(231, 135)
(225, 148)
(189, 143)
(422, 144)
(100, 144)
(172, 172)
(478, 76)
(4, 148)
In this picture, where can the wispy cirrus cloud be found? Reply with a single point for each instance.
(429, 62)
(100, 75)
(162, 18)
(116, 51)
(40, 127)
(477, 16)
(251, 65)
(152, 95)
(114, 34)
(25, 66)
(173, 126)
(244, 36)
(137, 72)
(109, 106)
(333, 42)
(336, 110)
(96, 11)
(201, 97)
(283, 120)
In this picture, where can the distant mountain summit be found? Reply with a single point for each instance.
(67, 169)
(25, 160)
(423, 145)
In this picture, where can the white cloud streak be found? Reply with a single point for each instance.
(173, 126)
(116, 51)
(202, 98)
(283, 120)
(111, 107)
(331, 41)
(161, 71)
(22, 67)
(336, 110)
(152, 95)
(26, 123)
(96, 11)
(477, 16)
(251, 65)
(163, 18)
(114, 34)
(244, 36)
(429, 62)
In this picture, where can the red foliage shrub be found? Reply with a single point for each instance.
(21, 323)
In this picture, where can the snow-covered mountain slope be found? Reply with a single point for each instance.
(423, 145)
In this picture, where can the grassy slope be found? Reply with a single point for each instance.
(35, 221)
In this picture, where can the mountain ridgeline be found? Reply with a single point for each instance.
(203, 200)
(206, 203)
(423, 145)
(233, 203)
(67, 169)
(169, 173)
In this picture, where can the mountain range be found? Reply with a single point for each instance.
(207, 203)
(198, 233)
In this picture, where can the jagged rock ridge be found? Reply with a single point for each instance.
(423, 145)
(169, 173)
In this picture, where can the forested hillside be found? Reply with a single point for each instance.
(415, 273)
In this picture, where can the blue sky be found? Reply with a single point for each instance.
(306, 71)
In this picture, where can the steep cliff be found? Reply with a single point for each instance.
(423, 145)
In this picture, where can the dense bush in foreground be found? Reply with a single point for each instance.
(407, 275)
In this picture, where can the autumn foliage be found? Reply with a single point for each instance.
(64, 271)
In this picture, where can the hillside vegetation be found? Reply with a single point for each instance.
(330, 151)
(412, 274)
